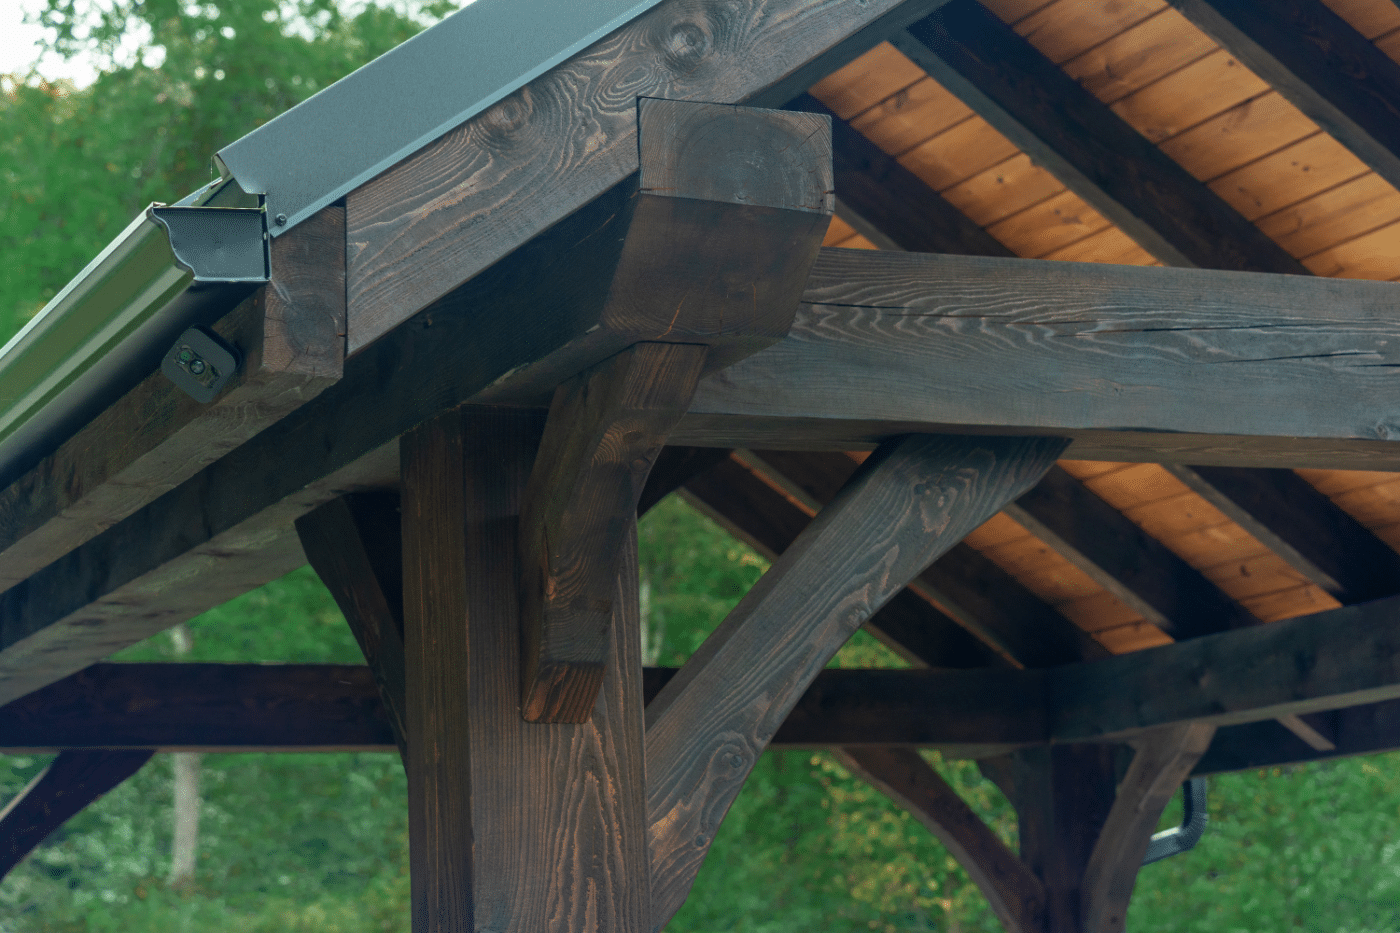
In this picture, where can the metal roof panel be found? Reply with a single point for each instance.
(345, 135)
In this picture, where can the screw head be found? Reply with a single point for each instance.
(280, 220)
(197, 367)
(186, 354)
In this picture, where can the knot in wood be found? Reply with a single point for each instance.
(685, 45)
(506, 118)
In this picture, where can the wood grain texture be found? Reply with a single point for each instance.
(1125, 560)
(1013, 892)
(203, 708)
(70, 782)
(1320, 63)
(1086, 145)
(173, 707)
(219, 534)
(981, 597)
(467, 200)
(438, 591)
(1120, 359)
(290, 337)
(606, 427)
(911, 501)
(746, 503)
(556, 812)
(1328, 660)
(1162, 760)
(355, 545)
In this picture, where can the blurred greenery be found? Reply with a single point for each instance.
(317, 843)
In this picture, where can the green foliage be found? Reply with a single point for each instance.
(77, 165)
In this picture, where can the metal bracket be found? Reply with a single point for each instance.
(1193, 823)
(200, 363)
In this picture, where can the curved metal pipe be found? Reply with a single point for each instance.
(1193, 823)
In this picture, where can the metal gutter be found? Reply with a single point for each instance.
(173, 266)
(191, 262)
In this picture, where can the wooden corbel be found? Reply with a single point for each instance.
(731, 207)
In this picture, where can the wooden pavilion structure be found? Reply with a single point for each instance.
(1082, 274)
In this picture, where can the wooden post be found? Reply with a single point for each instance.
(513, 826)
(1083, 831)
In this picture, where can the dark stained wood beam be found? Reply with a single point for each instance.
(1320, 64)
(1162, 759)
(1063, 796)
(70, 782)
(171, 707)
(290, 335)
(888, 197)
(1083, 830)
(1014, 893)
(694, 301)
(909, 502)
(1301, 525)
(976, 593)
(1328, 660)
(1125, 560)
(1365, 729)
(501, 810)
(749, 506)
(355, 546)
(1129, 362)
(605, 428)
(526, 150)
(1060, 125)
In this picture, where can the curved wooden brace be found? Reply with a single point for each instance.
(70, 782)
(909, 502)
(1162, 760)
(1014, 893)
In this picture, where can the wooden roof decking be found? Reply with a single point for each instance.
(1230, 130)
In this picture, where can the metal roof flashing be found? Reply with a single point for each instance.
(173, 266)
(373, 118)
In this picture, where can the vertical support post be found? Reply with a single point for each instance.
(513, 826)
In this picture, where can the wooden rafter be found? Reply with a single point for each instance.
(1125, 560)
(1322, 65)
(1092, 150)
(289, 334)
(1302, 526)
(889, 203)
(549, 151)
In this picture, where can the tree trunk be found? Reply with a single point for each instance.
(184, 847)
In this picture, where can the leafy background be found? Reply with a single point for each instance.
(318, 843)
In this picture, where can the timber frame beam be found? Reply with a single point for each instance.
(681, 301)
